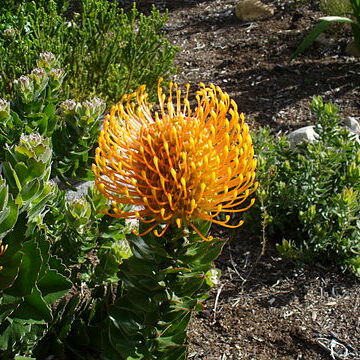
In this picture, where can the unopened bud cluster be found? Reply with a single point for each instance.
(4, 110)
(89, 110)
(32, 86)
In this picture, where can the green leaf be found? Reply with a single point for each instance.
(53, 286)
(310, 38)
(33, 310)
(30, 190)
(337, 19)
(29, 270)
(11, 333)
(22, 173)
(9, 222)
(10, 271)
(7, 305)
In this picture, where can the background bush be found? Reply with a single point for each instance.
(105, 51)
(309, 196)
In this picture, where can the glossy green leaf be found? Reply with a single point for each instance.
(33, 310)
(10, 271)
(53, 286)
(29, 270)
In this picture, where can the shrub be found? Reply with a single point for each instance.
(309, 197)
(335, 7)
(49, 243)
(106, 51)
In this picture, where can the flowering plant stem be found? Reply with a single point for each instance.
(164, 282)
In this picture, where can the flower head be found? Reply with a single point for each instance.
(176, 165)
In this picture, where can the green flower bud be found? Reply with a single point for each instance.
(68, 107)
(25, 87)
(4, 110)
(78, 212)
(121, 249)
(34, 146)
(90, 110)
(212, 277)
(56, 78)
(47, 60)
(10, 32)
(41, 79)
(39, 75)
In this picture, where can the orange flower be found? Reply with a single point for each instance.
(175, 165)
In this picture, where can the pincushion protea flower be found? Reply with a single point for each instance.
(176, 165)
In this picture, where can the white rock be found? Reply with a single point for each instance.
(306, 133)
(352, 124)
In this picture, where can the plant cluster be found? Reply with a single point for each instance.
(72, 284)
(105, 51)
(47, 237)
(309, 196)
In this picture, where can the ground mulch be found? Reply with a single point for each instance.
(267, 307)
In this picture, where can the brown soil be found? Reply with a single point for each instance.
(265, 307)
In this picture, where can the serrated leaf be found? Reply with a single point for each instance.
(29, 270)
(10, 271)
(33, 310)
(53, 286)
(7, 305)
(11, 333)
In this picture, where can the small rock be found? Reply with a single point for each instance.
(306, 133)
(249, 10)
(352, 124)
(81, 190)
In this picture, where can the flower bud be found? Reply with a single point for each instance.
(25, 87)
(78, 212)
(4, 110)
(34, 146)
(56, 78)
(90, 110)
(10, 32)
(212, 277)
(47, 60)
(39, 75)
(68, 106)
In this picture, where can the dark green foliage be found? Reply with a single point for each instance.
(309, 195)
(165, 280)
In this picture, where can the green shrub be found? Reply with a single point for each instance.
(309, 196)
(106, 52)
(50, 243)
(335, 7)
